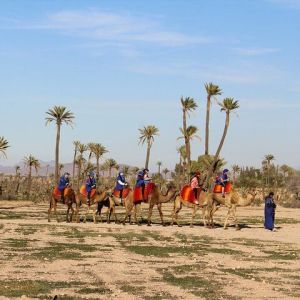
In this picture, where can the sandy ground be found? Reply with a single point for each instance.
(103, 261)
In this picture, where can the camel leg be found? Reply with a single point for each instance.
(108, 214)
(176, 212)
(176, 205)
(227, 217)
(114, 213)
(86, 213)
(161, 214)
(55, 211)
(150, 213)
(49, 211)
(237, 227)
(193, 216)
(95, 213)
(72, 213)
(204, 210)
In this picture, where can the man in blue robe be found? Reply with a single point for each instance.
(90, 185)
(64, 182)
(270, 207)
(120, 184)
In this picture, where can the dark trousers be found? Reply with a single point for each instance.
(195, 193)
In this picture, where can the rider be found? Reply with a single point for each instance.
(222, 179)
(142, 180)
(90, 185)
(195, 181)
(64, 182)
(120, 184)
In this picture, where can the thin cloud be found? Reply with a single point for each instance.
(108, 26)
(255, 51)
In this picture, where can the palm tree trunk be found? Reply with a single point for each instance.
(211, 169)
(57, 153)
(207, 124)
(98, 169)
(29, 183)
(147, 156)
(109, 172)
(187, 144)
(74, 159)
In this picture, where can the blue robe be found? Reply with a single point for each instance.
(269, 213)
(63, 183)
(119, 186)
(90, 184)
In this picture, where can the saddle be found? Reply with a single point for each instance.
(218, 188)
(187, 194)
(85, 193)
(57, 192)
(137, 193)
(117, 193)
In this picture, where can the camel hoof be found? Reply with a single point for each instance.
(164, 224)
(238, 228)
(179, 225)
(149, 224)
(139, 224)
(225, 228)
(191, 226)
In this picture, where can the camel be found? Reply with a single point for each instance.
(69, 200)
(155, 198)
(231, 200)
(94, 201)
(204, 202)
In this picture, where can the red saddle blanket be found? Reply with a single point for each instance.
(124, 195)
(227, 189)
(85, 193)
(187, 194)
(57, 192)
(137, 193)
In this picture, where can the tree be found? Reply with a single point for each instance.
(98, 151)
(3, 146)
(30, 162)
(76, 145)
(59, 115)
(211, 90)
(187, 104)
(268, 159)
(228, 106)
(159, 164)
(110, 164)
(165, 172)
(286, 171)
(147, 134)
(235, 169)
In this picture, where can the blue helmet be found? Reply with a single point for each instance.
(141, 174)
(225, 170)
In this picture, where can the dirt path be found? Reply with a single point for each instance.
(102, 261)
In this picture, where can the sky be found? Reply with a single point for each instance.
(120, 65)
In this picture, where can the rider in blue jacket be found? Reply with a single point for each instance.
(64, 182)
(120, 184)
(90, 185)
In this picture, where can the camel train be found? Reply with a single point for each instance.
(207, 202)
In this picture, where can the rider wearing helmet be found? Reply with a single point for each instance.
(64, 182)
(143, 179)
(120, 184)
(90, 185)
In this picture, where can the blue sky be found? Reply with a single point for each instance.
(120, 65)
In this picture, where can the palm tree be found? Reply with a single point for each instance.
(189, 135)
(235, 169)
(228, 106)
(165, 172)
(80, 160)
(3, 146)
(76, 145)
(110, 164)
(59, 115)
(126, 170)
(30, 162)
(188, 104)
(18, 171)
(286, 171)
(159, 164)
(98, 151)
(269, 158)
(147, 135)
(211, 90)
